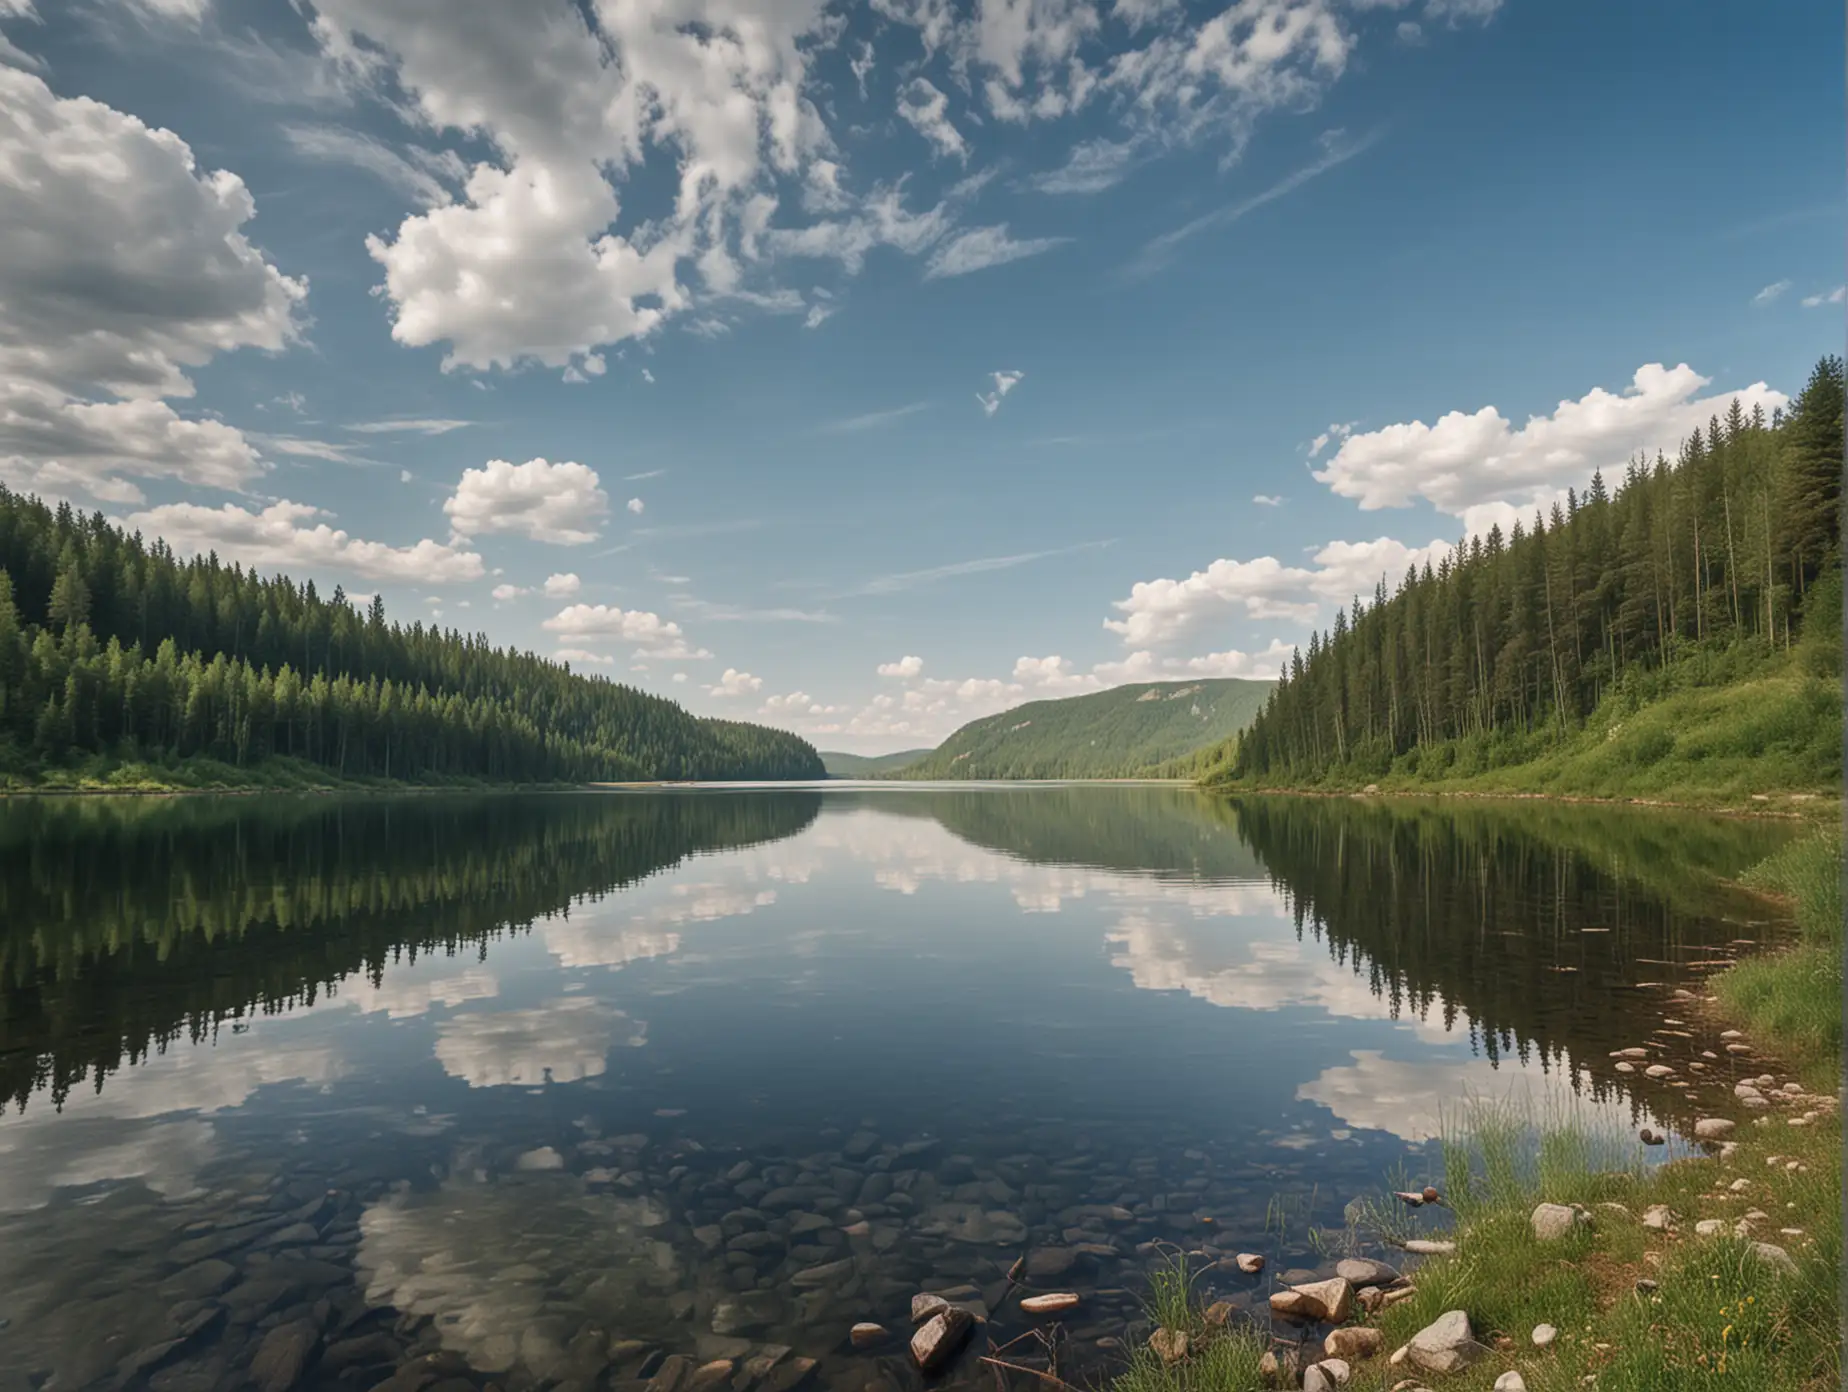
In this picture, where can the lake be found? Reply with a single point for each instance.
(585, 1089)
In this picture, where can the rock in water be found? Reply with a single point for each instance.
(1446, 1345)
(1170, 1345)
(1429, 1247)
(936, 1341)
(284, 1353)
(1713, 1129)
(925, 1305)
(1044, 1262)
(1553, 1221)
(1249, 1262)
(867, 1334)
(1050, 1304)
(1359, 1271)
(1331, 1300)
(1357, 1342)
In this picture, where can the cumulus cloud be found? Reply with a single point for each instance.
(796, 703)
(1463, 461)
(735, 683)
(905, 667)
(279, 535)
(501, 594)
(99, 329)
(650, 634)
(635, 505)
(559, 503)
(1005, 382)
(562, 586)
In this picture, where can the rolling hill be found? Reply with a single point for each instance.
(869, 765)
(1120, 733)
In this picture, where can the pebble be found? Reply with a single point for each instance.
(939, 1337)
(1050, 1304)
(1249, 1262)
(1544, 1334)
(1170, 1345)
(866, 1334)
(1510, 1381)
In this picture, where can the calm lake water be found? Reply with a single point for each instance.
(541, 1091)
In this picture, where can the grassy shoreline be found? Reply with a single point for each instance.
(1688, 1299)
(201, 777)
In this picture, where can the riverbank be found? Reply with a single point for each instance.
(1566, 1260)
(277, 774)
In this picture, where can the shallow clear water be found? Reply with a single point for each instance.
(535, 1090)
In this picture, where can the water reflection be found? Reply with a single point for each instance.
(549, 1087)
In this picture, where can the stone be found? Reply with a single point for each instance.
(1510, 1381)
(711, 1375)
(285, 1352)
(1446, 1345)
(1356, 1343)
(1331, 1300)
(672, 1373)
(1775, 1257)
(1044, 1262)
(1713, 1129)
(1360, 1271)
(1050, 1304)
(1279, 1369)
(200, 1281)
(867, 1335)
(824, 1275)
(787, 1376)
(1219, 1314)
(1626, 1067)
(1429, 1247)
(1710, 1227)
(1659, 1217)
(937, 1340)
(1658, 1070)
(1318, 1377)
(1648, 1137)
(1170, 1345)
(1251, 1263)
(1553, 1221)
(925, 1305)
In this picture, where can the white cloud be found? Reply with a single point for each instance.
(817, 315)
(1774, 291)
(981, 247)
(635, 505)
(424, 177)
(1834, 296)
(871, 420)
(1338, 431)
(648, 376)
(562, 586)
(735, 683)
(1005, 382)
(411, 426)
(651, 635)
(501, 594)
(906, 667)
(560, 1041)
(583, 656)
(277, 536)
(1092, 167)
(1464, 461)
(926, 109)
(559, 503)
(1267, 500)
(91, 314)
(1162, 612)
(796, 703)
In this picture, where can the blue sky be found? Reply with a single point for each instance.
(672, 335)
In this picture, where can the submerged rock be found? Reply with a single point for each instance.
(1050, 1304)
(937, 1340)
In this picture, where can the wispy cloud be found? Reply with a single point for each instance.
(709, 612)
(1267, 500)
(1835, 296)
(301, 447)
(645, 474)
(871, 420)
(912, 579)
(410, 426)
(982, 247)
(421, 176)
(1772, 292)
(1337, 150)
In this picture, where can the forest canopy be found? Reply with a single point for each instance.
(111, 645)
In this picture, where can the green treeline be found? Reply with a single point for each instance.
(1700, 571)
(111, 645)
(130, 924)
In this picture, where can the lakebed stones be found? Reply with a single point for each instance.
(1446, 1345)
(282, 1356)
(1713, 1129)
(1361, 1271)
(866, 1334)
(1249, 1262)
(939, 1338)
(1429, 1247)
(1051, 1303)
(1331, 1301)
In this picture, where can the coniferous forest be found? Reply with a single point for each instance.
(112, 648)
(1719, 565)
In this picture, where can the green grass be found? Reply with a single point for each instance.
(1221, 1358)
(102, 774)
(1740, 728)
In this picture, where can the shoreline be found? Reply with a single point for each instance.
(1812, 804)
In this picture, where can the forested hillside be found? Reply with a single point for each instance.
(1681, 630)
(1119, 733)
(868, 765)
(112, 649)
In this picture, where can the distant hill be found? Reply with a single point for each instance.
(870, 765)
(1119, 733)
